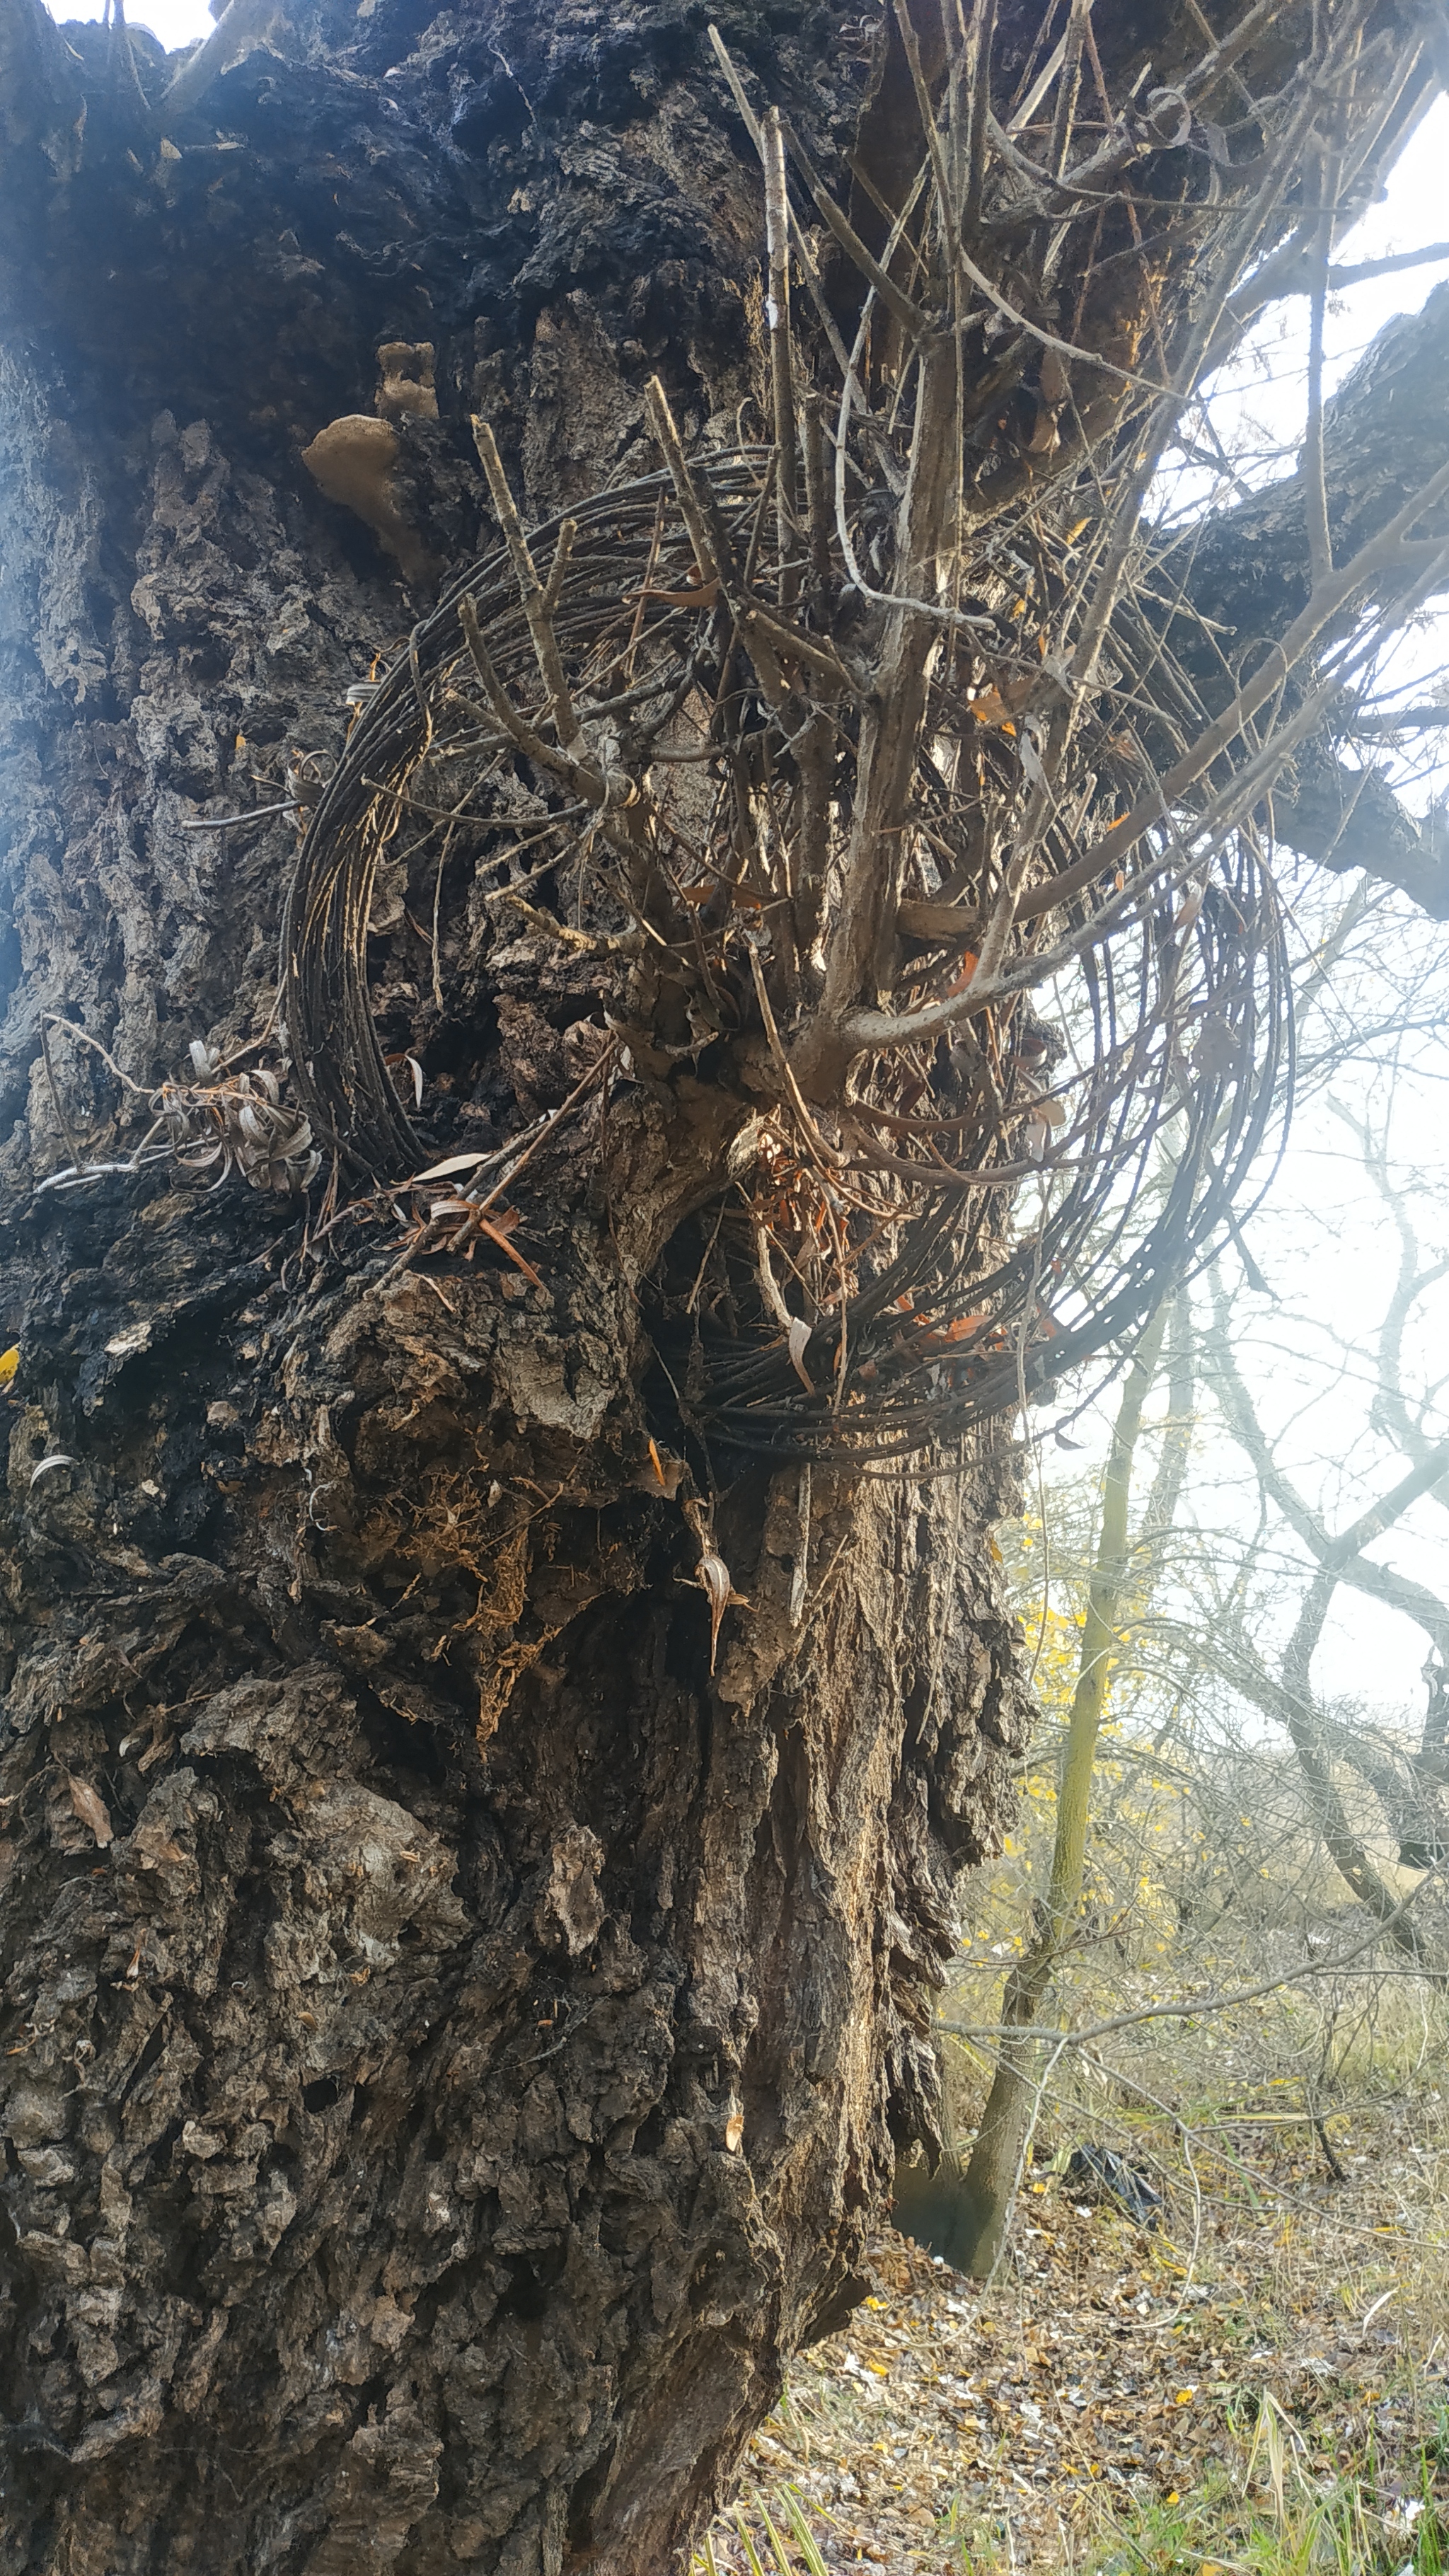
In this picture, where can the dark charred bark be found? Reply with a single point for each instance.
(454, 2040)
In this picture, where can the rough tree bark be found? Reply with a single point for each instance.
(415, 2160)
(454, 2035)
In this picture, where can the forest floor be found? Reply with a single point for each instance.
(1260, 2383)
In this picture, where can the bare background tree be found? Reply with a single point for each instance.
(1249, 1837)
(1118, 1589)
(498, 1686)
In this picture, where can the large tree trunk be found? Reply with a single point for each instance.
(454, 2041)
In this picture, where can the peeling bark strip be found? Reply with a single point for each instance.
(465, 1966)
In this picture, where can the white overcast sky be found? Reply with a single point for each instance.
(176, 22)
(1322, 1240)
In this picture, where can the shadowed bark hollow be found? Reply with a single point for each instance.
(453, 2041)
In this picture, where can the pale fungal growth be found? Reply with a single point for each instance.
(352, 461)
(354, 458)
(406, 391)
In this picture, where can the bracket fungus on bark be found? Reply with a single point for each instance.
(353, 461)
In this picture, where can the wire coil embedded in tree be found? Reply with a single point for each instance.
(650, 711)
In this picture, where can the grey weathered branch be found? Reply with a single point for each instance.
(1316, 1742)
(1339, 1559)
(1334, 1555)
(242, 25)
(1246, 569)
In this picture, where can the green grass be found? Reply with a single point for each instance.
(766, 2552)
(1284, 2514)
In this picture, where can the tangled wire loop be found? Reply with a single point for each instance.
(650, 760)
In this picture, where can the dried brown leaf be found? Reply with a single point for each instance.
(716, 1579)
(90, 1808)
